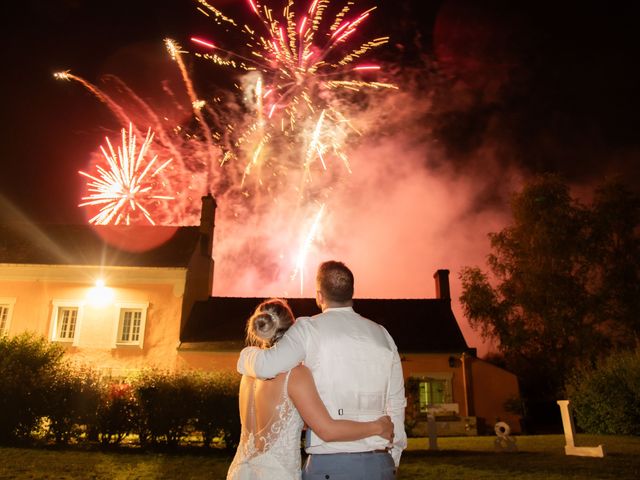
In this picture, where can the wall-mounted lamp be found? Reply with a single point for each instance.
(100, 295)
(452, 361)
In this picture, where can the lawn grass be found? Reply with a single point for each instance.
(539, 457)
(460, 458)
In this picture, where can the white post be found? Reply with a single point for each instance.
(432, 430)
(569, 434)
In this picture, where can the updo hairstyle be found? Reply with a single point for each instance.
(268, 323)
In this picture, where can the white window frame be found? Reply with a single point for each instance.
(55, 320)
(6, 313)
(121, 309)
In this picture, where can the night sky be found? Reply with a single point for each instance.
(555, 84)
(492, 93)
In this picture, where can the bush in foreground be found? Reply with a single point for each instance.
(174, 405)
(28, 366)
(73, 397)
(606, 399)
(216, 409)
(44, 396)
(116, 416)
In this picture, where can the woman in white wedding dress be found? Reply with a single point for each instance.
(273, 412)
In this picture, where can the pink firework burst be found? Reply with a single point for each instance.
(126, 187)
(299, 53)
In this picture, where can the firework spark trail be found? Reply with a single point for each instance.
(158, 126)
(303, 253)
(176, 55)
(124, 186)
(315, 146)
(113, 106)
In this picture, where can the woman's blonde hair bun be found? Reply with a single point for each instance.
(268, 323)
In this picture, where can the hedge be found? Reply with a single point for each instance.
(217, 414)
(28, 366)
(73, 398)
(116, 415)
(42, 395)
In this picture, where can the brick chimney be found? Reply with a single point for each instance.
(199, 281)
(207, 224)
(442, 284)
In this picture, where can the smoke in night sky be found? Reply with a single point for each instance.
(488, 95)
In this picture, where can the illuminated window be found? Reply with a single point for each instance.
(66, 321)
(6, 310)
(434, 391)
(4, 319)
(131, 323)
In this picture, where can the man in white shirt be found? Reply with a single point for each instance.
(357, 370)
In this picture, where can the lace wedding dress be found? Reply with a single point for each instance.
(271, 426)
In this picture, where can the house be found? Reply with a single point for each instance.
(120, 308)
(443, 375)
(94, 290)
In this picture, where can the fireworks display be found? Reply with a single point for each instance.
(127, 186)
(273, 152)
(302, 61)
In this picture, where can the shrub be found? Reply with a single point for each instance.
(606, 399)
(40, 393)
(166, 405)
(216, 414)
(28, 364)
(117, 413)
(73, 399)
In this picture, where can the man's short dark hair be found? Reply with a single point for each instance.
(335, 281)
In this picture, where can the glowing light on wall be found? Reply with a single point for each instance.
(100, 295)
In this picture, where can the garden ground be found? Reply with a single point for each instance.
(461, 458)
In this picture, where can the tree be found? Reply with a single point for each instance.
(566, 282)
(615, 221)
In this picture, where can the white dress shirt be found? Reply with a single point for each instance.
(356, 368)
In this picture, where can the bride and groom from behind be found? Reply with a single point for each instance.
(338, 372)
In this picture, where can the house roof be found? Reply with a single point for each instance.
(22, 243)
(417, 325)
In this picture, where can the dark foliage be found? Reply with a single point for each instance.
(28, 367)
(73, 398)
(564, 283)
(606, 398)
(117, 413)
(41, 393)
(216, 408)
